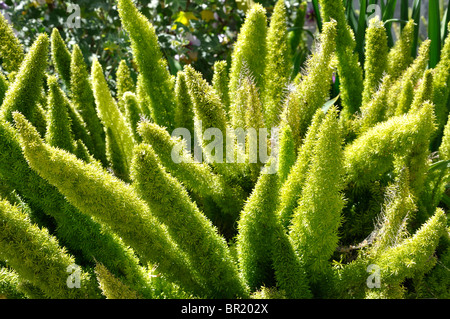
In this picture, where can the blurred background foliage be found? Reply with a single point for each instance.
(200, 32)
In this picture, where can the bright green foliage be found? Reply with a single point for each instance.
(315, 223)
(290, 274)
(100, 195)
(406, 98)
(10, 284)
(414, 255)
(349, 69)
(197, 178)
(278, 65)
(184, 112)
(254, 119)
(220, 82)
(119, 132)
(59, 132)
(313, 90)
(376, 58)
(413, 73)
(171, 204)
(374, 111)
(291, 189)
(248, 57)
(11, 51)
(61, 56)
(124, 81)
(156, 80)
(287, 153)
(90, 178)
(399, 57)
(25, 91)
(441, 84)
(424, 92)
(3, 87)
(39, 259)
(372, 154)
(256, 227)
(112, 287)
(132, 112)
(84, 102)
(398, 208)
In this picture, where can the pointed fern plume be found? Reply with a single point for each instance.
(248, 57)
(373, 153)
(112, 287)
(313, 90)
(59, 133)
(184, 112)
(24, 93)
(83, 100)
(406, 98)
(413, 73)
(278, 65)
(397, 211)
(39, 259)
(119, 131)
(291, 188)
(132, 112)
(349, 69)
(156, 79)
(315, 222)
(102, 196)
(170, 203)
(414, 256)
(424, 92)
(256, 227)
(376, 52)
(441, 84)
(10, 285)
(124, 81)
(287, 154)
(220, 82)
(11, 50)
(61, 56)
(197, 178)
(210, 114)
(399, 57)
(374, 111)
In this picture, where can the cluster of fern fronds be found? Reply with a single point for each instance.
(94, 205)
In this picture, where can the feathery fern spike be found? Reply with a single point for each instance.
(349, 68)
(256, 227)
(113, 120)
(171, 204)
(83, 100)
(399, 57)
(100, 195)
(61, 56)
(313, 90)
(24, 93)
(317, 218)
(184, 113)
(11, 50)
(156, 79)
(249, 52)
(278, 65)
(376, 58)
(39, 259)
(58, 133)
(292, 187)
(220, 82)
